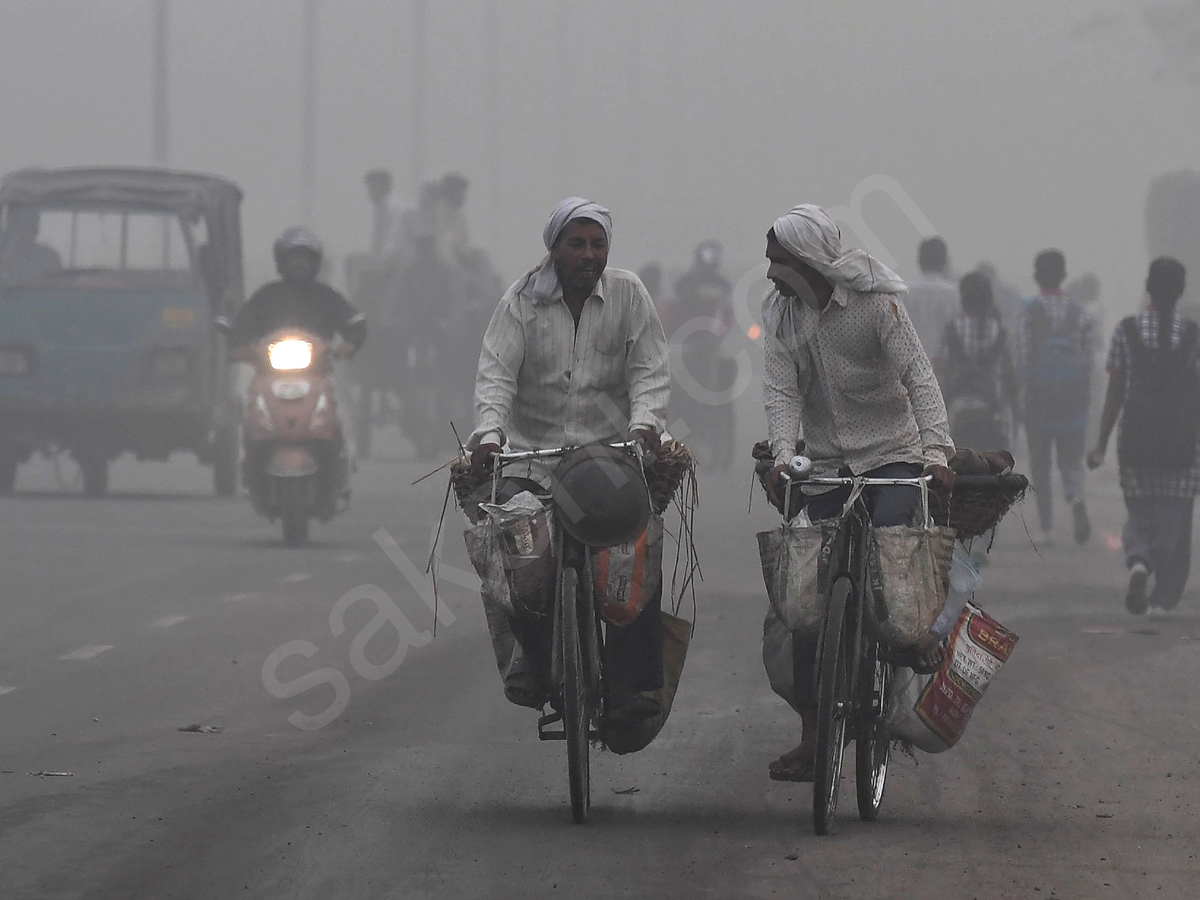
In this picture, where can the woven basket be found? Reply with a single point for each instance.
(972, 513)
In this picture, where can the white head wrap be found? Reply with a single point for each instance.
(808, 232)
(545, 278)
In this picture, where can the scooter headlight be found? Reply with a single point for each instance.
(290, 354)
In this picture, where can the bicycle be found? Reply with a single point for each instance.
(851, 674)
(576, 671)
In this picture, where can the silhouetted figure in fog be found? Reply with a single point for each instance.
(696, 323)
(1008, 300)
(1054, 357)
(1154, 374)
(24, 260)
(386, 233)
(977, 379)
(450, 217)
(932, 299)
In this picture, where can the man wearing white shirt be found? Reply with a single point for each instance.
(575, 354)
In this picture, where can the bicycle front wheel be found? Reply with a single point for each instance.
(873, 745)
(833, 708)
(576, 715)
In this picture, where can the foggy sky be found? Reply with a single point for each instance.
(1012, 124)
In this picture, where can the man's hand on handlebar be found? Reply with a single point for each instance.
(481, 458)
(941, 479)
(345, 350)
(649, 440)
(775, 483)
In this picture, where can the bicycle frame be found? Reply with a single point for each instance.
(576, 669)
(845, 651)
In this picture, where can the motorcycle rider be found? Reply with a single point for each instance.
(300, 300)
(697, 322)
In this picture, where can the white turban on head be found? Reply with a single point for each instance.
(808, 232)
(545, 278)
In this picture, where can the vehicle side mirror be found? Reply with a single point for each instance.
(223, 325)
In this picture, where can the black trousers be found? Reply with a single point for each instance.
(633, 653)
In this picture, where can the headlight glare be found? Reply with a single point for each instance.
(290, 355)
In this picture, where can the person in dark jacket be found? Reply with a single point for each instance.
(1154, 385)
(298, 299)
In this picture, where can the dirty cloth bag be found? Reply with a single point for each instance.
(677, 634)
(795, 564)
(908, 579)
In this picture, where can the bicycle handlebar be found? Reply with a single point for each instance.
(523, 455)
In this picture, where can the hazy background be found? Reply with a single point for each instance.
(1012, 124)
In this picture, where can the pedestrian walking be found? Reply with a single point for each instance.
(932, 298)
(1153, 373)
(1054, 357)
(978, 379)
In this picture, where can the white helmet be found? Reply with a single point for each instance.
(298, 238)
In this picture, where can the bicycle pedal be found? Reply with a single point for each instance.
(550, 719)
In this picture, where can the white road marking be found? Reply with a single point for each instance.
(298, 577)
(239, 598)
(91, 650)
(168, 621)
(348, 557)
(4, 689)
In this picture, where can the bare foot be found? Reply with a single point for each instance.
(930, 654)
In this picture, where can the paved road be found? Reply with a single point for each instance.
(126, 619)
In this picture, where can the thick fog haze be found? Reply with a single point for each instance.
(1012, 124)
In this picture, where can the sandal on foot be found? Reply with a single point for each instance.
(790, 770)
(523, 689)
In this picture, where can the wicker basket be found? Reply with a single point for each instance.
(972, 513)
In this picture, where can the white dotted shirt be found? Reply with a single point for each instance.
(854, 381)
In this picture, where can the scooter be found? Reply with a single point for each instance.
(295, 466)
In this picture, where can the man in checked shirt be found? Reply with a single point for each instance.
(844, 366)
(1154, 386)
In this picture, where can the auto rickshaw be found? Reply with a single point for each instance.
(110, 279)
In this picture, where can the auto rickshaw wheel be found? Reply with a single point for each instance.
(225, 462)
(94, 469)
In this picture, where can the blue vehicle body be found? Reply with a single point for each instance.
(100, 361)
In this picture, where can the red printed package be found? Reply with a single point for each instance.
(979, 646)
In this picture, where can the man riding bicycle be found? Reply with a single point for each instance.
(845, 368)
(574, 355)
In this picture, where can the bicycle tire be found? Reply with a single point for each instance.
(576, 719)
(873, 745)
(832, 708)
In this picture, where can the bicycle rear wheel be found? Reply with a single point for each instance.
(873, 745)
(833, 708)
(576, 713)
